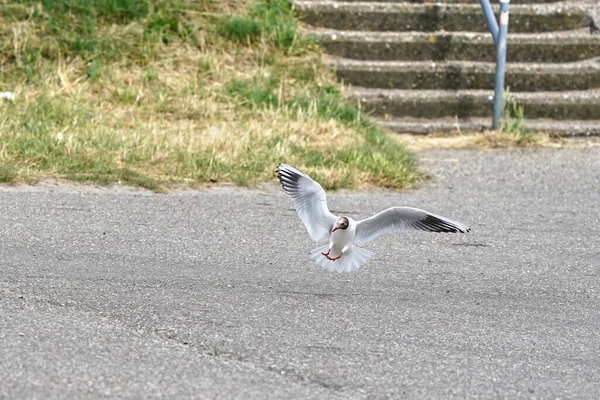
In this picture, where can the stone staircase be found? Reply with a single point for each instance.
(422, 66)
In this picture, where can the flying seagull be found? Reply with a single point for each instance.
(344, 234)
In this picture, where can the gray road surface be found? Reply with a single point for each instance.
(211, 294)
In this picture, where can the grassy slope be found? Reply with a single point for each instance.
(159, 92)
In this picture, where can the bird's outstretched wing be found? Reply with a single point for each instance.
(404, 219)
(309, 200)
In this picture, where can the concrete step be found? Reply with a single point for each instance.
(422, 126)
(460, 75)
(564, 46)
(433, 17)
(574, 105)
(437, 1)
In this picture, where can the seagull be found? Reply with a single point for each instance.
(343, 234)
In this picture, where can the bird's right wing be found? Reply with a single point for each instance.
(396, 219)
(309, 201)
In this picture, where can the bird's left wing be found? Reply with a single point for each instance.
(309, 200)
(404, 219)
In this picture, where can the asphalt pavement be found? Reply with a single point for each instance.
(118, 293)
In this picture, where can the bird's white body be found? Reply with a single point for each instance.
(342, 254)
(344, 234)
(342, 239)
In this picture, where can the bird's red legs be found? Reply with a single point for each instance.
(332, 259)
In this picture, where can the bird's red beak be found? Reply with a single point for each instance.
(335, 229)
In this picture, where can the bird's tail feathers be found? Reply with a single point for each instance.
(353, 259)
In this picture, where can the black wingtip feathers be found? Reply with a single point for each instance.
(435, 224)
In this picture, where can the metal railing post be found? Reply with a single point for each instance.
(500, 63)
(490, 18)
(499, 32)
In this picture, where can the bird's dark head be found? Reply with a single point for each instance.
(342, 223)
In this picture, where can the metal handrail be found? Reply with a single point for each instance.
(499, 31)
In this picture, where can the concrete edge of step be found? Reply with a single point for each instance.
(588, 65)
(567, 37)
(431, 1)
(535, 8)
(546, 97)
(422, 126)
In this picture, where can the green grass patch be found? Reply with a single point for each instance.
(7, 174)
(272, 20)
(153, 93)
(513, 121)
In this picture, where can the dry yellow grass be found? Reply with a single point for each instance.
(492, 140)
